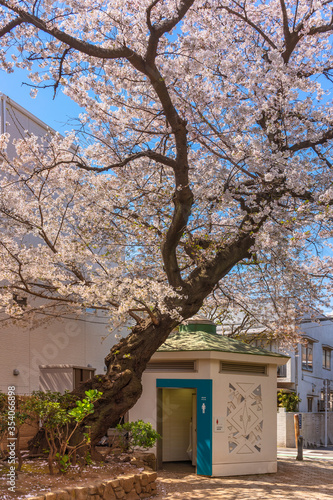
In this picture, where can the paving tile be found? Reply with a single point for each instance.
(307, 480)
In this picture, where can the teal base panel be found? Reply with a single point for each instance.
(204, 389)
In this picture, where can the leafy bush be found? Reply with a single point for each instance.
(60, 420)
(137, 434)
(288, 400)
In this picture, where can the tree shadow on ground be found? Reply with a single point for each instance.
(294, 481)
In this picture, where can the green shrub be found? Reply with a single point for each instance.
(288, 400)
(137, 434)
(61, 416)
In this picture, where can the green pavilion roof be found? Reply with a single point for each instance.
(189, 338)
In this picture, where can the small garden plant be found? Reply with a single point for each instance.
(288, 400)
(61, 423)
(137, 434)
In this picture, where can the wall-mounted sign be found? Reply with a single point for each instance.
(300, 420)
(219, 424)
(203, 404)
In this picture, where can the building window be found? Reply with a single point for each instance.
(82, 375)
(329, 402)
(282, 371)
(20, 300)
(310, 401)
(326, 358)
(307, 356)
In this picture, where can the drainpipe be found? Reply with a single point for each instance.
(3, 99)
(1, 114)
(296, 369)
(326, 404)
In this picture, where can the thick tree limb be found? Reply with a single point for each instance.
(10, 26)
(156, 31)
(310, 143)
(84, 47)
(158, 157)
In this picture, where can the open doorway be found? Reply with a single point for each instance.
(201, 415)
(178, 427)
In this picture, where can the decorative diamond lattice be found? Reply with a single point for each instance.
(244, 418)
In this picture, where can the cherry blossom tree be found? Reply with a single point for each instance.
(200, 172)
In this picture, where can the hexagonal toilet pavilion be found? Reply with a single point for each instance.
(213, 400)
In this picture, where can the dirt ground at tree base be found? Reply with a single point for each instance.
(35, 479)
(294, 480)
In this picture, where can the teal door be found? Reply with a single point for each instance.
(204, 417)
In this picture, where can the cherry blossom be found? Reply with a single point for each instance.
(199, 174)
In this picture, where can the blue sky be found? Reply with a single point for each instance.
(54, 112)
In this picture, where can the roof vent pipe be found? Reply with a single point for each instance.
(198, 324)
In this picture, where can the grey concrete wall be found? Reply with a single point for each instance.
(313, 429)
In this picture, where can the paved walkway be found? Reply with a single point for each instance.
(317, 454)
(310, 479)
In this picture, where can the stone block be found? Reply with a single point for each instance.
(132, 495)
(100, 489)
(109, 493)
(147, 458)
(62, 495)
(146, 488)
(50, 495)
(71, 493)
(144, 479)
(152, 477)
(93, 490)
(119, 492)
(138, 487)
(81, 493)
(127, 483)
(115, 483)
(138, 463)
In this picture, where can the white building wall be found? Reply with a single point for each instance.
(310, 383)
(81, 342)
(17, 121)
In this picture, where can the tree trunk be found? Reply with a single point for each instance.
(18, 451)
(121, 385)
